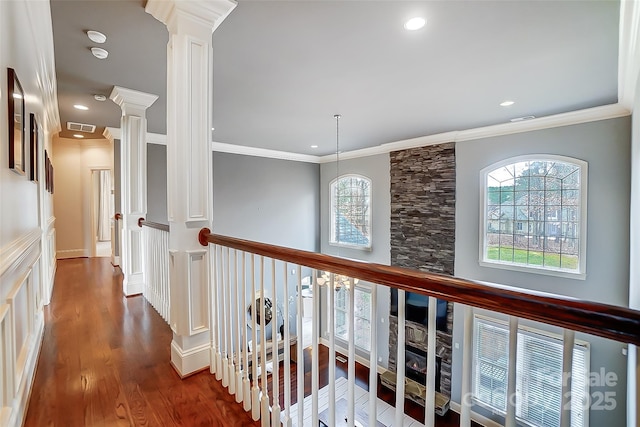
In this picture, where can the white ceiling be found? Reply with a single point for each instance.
(283, 69)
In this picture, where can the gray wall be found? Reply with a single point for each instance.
(157, 183)
(375, 168)
(605, 145)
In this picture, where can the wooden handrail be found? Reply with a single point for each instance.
(151, 224)
(117, 216)
(603, 320)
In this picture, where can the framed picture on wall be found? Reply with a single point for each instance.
(16, 123)
(33, 149)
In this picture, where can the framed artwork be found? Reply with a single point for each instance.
(33, 149)
(51, 178)
(16, 123)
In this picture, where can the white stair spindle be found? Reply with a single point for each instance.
(331, 296)
(275, 378)
(314, 351)
(246, 385)
(231, 322)
(510, 418)
(568, 342)
(214, 303)
(265, 413)
(238, 331)
(430, 397)
(219, 313)
(225, 311)
(467, 371)
(300, 356)
(373, 357)
(286, 422)
(399, 414)
(351, 413)
(255, 389)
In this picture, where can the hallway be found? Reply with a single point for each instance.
(105, 361)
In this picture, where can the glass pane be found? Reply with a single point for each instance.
(570, 197)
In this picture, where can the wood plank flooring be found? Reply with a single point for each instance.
(105, 362)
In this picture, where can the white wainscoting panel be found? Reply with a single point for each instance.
(198, 291)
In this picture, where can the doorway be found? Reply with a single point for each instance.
(102, 212)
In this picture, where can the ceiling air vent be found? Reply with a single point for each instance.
(81, 127)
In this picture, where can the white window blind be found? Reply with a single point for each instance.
(538, 374)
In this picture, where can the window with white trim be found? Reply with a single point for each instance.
(534, 214)
(351, 211)
(361, 317)
(538, 374)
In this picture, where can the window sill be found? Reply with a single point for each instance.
(534, 270)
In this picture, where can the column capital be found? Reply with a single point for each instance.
(180, 15)
(129, 99)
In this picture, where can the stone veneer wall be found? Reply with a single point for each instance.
(423, 190)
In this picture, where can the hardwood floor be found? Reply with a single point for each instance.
(105, 362)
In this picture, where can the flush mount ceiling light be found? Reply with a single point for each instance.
(99, 52)
(99, 97)
(80, 107)
(414, 24)
(507, 103)
(77, 135)
(96, 36)
(314, 146)
(520, 119)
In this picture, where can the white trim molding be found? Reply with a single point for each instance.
(13, 254)
(628, 52)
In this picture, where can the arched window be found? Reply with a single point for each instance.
(534, 214)
(351, 211)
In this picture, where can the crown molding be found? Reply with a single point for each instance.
(152, 138)
(263, 152)
(628, 52)
(604, 112)
(108, 135)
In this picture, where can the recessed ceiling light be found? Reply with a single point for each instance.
(77, 135)
(99, 52)
(96, 36)
(414, 23)
(99, 97)
(80, 107)
(506, 103)
(314, 146)
(213, 128)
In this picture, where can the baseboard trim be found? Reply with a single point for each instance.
(72, 253)
(190, 362)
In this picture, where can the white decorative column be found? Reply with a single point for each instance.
(189, 170)
(133, 182)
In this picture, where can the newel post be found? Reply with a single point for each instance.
(189, 170)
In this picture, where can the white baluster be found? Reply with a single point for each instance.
(231, 322)
(430, 397)
(286, 422)
(214, 307)
(351, 416)
(300, 357)
(255, 390)
(225, 310)
(331, 314)
(263, 352)
(236, 323)
(510, 418)
(275, 376)
(467, 372)
(399, 414)
(246, 385)
(568, 342)
(373, 358)
(314, 350)
(219, 313)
